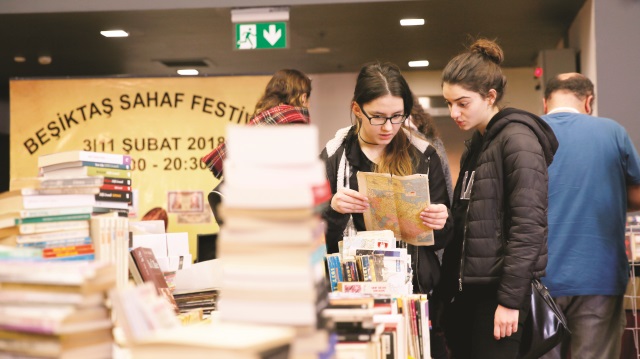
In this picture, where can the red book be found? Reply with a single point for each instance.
(67, 251)
(150, 271)
(115, 187)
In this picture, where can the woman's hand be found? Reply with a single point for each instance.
(349, 201)
(434, 216)
(505, 322)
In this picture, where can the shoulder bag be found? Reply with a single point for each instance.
(545, 327)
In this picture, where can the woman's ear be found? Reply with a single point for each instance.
(355, 108)
(304, 100)
(492, 95)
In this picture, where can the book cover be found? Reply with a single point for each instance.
(72, 156)
(150, 272)
(395, 203)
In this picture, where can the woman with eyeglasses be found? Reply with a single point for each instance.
(499, 209)
(378, 142)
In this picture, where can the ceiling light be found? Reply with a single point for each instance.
(114, 33)
(411, 22)
(44, 60)
(319, 50)
(19, 59)
(188, 72)
(260, 14)
(419, 63)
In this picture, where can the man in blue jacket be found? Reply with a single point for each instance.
(593, 181)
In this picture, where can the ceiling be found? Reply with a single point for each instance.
(355, 32)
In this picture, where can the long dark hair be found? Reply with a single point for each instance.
(376, 80)
(285, 87)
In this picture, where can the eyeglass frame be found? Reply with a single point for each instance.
(404, 118)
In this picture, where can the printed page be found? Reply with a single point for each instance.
(396, 203)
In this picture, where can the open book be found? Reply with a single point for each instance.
(395, 203)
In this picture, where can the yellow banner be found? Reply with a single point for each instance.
(165, 124)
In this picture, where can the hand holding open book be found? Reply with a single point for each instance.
(395, 203)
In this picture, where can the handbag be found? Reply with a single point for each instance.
(545, 327)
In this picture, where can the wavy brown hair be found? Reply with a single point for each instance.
(376, 80)
(286, 87)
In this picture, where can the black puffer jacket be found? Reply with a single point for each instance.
(503, 232)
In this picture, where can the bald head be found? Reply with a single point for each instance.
(569, 90)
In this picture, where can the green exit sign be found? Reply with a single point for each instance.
(262, 35)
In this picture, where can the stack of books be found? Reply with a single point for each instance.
(50, 214)
(115, 194)
(272, 240)
(54, 309)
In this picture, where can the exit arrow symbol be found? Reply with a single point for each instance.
(272, 36)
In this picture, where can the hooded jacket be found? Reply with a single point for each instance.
(501, 228)
(343, 154)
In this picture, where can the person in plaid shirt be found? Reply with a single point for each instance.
(285, 100)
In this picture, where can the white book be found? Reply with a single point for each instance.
(272, 145)
(70, 156)
(12, 204)
(240, 174)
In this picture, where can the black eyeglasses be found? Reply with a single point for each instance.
(381, 120)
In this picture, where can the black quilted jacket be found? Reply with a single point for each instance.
(501, 238)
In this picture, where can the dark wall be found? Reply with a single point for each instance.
(4, 162)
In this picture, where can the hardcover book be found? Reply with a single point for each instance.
(150, 271)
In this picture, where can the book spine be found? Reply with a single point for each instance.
(334, 267)
(70, 182)
(52, 236)
(33, 228)
(59, 190)
(66, 217)
(88, 156)
(54, 201)
(108, 172)
(117, 181)
(30, 213)
(61, 251)
(115, 187)
(80, 257)
(70, 251)
(118, 166)
(116, 196)
(59, 243)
